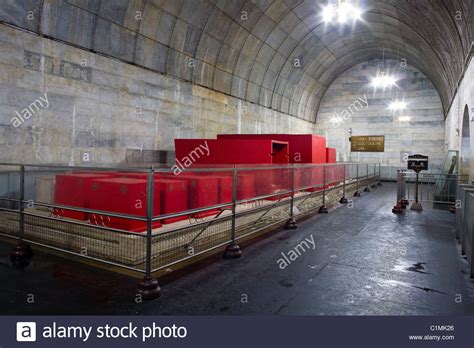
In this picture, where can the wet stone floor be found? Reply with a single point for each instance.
(357, 260)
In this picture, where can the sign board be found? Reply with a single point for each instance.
(417, 162)
(368, 143)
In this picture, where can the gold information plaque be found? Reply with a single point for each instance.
(368, 143)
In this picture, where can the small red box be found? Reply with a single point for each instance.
(173, 198)
(224, 187)
(337, 174)
(245, 185)
(271, 181)
(315, 178)
(203, 191)
(303, 178)
(330, 155)
(74, 190)
(330, 176)
(126, 196)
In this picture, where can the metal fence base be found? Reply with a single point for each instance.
(291, 224)
(232, 251)
(404, 203)
(343, 200)
(379, 183)
(323, 210)
(21, 254)
(397, 209)
(416, 207)
(357, 194)
(149, 289)
(367, 189)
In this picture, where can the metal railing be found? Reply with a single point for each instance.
(432, 188)
(282, 193)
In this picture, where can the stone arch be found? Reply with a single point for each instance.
(465, 149)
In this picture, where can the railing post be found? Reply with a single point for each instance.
(379, 183)
(398, 208)
(323, 209)
(367, 189)
(148, 288)
(357, 193)
(21, 253)
(22, 199)
(291, 223)
(233, 251)
(417, 205)
(374, 182)
(343, 199)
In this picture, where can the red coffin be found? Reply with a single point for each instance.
(252, 151)
(122, 195)
(195, 152)
(74, 190)
(190, 152)
(303, 148)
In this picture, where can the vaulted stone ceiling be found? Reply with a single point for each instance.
(278, 54)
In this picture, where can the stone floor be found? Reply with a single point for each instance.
(365, 261)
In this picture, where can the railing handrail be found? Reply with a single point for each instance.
(283, 192)
(195, 168)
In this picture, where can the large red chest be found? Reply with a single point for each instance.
(173, 198)
(203, 190)
(74, 190)
(330, 155)
(122, 195)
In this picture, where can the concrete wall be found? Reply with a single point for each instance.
(101, 110)
(351, 102)
(463, 100)
(274, 53)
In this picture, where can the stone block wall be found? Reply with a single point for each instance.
(459, 127)
(61, 104)
(352, 103)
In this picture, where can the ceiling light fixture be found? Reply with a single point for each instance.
(404, 118)
(342, 12)
(397, 105)
(383, 81)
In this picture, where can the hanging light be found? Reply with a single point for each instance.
(404, 118)
(397, 105)
(356, 13)
(342, 12)
(383, 81)
(329, 12)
